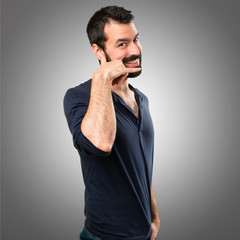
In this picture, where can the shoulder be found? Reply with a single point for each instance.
(81, 91)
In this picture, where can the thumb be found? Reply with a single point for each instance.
(102, 57)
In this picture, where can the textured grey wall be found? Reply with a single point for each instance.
(191, 59)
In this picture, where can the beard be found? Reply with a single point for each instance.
(131, 58)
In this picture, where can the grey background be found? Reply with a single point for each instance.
(191, 59)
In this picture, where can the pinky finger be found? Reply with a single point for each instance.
(132, 70)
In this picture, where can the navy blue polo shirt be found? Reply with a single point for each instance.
(117, 183)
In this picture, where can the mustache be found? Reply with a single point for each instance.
(124, 60)
(132, 58)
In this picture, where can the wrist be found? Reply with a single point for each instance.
(156, 221)
(101, 76)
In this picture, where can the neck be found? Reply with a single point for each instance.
(121, 89)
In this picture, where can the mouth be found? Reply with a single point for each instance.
(132, 64)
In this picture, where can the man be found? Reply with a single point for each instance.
(113, 133)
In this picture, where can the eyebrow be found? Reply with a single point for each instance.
(126, 39)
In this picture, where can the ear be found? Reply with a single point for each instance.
(97, 51)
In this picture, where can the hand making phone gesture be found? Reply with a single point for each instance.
(114, 71)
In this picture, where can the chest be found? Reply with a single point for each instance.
(134, 122)
(132, 104)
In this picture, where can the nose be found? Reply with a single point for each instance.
(134, 49)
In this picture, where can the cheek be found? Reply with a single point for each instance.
(116, 55)
(120, 55)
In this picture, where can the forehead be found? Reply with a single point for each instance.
(114, 31)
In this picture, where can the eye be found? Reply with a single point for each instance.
(123, 44)
(136, 39)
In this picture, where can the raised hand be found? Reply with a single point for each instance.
(114, 71)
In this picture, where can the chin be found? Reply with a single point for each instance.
(135, 74)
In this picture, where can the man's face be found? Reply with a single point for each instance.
(123, 44)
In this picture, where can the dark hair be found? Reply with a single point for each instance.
(95, 27)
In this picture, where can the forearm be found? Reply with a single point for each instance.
(99, 122)
(155, 213)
